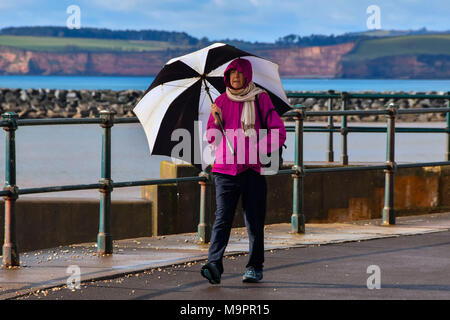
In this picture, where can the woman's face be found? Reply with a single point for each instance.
(237, 79)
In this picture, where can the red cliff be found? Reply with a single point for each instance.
(17, 61)
(303, 62)
(312, 62)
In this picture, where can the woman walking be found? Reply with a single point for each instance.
(246, 109)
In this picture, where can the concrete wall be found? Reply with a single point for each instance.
(329, 197)
(45, 223)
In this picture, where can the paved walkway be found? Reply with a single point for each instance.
(48, 268)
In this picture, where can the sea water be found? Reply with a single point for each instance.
(289, 84)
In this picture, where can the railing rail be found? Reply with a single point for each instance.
(348, 95)
(105, 185)
(344, 97)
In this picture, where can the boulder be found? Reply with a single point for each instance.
(60, 94)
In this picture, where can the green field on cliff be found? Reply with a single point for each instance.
(403, 45)
(57, 44)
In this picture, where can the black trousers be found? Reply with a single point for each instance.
(253, 188)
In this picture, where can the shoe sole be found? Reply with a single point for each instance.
(206, 273)
(251, 280)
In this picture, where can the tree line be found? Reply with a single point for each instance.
(96, 33)
(182, 38)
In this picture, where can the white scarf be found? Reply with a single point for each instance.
(247, 96)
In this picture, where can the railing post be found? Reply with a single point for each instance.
(330, 152)
(344, 130)
(204, 225)
(447, 153)
(10, 252)
(388, 210)
(298, 217)
(104, 237)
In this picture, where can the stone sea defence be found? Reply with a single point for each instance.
(321, 104)
(57, 103)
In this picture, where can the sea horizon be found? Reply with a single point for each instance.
(117, 83)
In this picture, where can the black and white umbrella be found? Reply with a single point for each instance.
(180, 97)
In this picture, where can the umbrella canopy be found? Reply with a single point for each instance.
(180, 98)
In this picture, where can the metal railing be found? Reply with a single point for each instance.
(105, 185)
(390, 167)
(344, 98)
(11, 191)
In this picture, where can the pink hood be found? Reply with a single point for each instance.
(242, 65)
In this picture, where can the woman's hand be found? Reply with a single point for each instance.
(217, 113)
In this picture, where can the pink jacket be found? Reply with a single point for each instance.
(246, 149)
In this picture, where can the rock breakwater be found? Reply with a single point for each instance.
(55, 103)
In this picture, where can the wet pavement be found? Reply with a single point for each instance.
(329, 261)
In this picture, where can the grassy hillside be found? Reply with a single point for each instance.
(57, 44)
(411, 45)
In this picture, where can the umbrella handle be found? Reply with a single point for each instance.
(230, 146)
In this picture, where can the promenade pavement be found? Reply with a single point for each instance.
(46, 269)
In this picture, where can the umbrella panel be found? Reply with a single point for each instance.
(221, 55)
(172, 72)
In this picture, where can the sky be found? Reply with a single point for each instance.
(250, 20)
